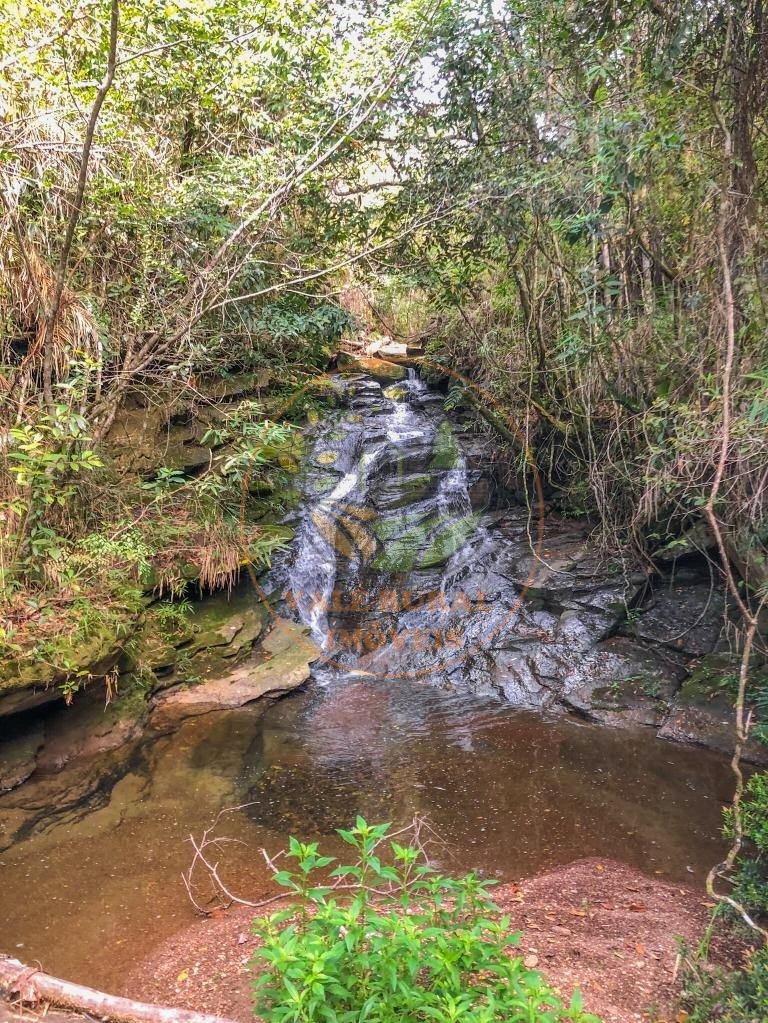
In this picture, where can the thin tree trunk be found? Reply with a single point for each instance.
(77, 206)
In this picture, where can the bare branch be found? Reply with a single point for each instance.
(751, 618)
(28, 986)
(419, 831)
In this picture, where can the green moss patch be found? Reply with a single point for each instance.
(445, 454)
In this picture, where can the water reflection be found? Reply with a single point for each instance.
(511, 794)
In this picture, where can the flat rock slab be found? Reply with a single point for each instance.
(686, 618)
(280, 665)
(711, 723)
(387, 349)
(623, 682)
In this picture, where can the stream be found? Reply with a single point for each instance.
(397, 540)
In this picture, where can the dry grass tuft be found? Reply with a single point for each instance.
(32, 287)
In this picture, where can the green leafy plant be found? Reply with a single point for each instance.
(44, 460)
(632, 616)
(388, 939)
(172, 616)
(126, 548)
(715, 995)
(750, 880)
(166, 479)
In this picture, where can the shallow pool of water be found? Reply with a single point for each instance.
(96, 883)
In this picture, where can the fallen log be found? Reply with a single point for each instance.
(25, 985)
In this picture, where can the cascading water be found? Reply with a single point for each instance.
(379, 568)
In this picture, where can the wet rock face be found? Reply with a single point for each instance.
(598, 640)
(406, 566)
(688, 618)
(621, 681)
(206, 661)
(280, 664)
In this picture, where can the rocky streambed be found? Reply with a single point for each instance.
(446, 662)
(405, 533)
(411, 562)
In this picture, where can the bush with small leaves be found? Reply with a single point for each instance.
(750, 879)
(714, 995)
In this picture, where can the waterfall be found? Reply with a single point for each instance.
(386, 505)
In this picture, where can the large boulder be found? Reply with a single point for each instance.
(621, 681)
(220, 631)
(703, 710)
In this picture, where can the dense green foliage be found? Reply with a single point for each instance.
(405, 945)
(567, 201)
(719, 996)
(603, 165)
(750, 881)
(174, 256)
(712, 993)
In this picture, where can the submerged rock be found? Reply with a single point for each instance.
(95, 723)
(708, 722)
(56, 794)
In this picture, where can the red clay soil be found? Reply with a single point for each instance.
(594, 924)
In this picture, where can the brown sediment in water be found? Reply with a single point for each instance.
(597, 925)
(96, 877)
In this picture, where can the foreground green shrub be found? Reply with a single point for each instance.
(713, 994)
(720, 996)
(750, 879)
(392, 943)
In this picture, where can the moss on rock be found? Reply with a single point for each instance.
(445, 454)
(327, 458)
(382, 370)
(395, 393)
